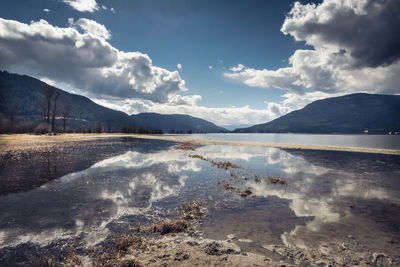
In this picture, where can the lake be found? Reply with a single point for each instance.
(364, 141)
(341, 207)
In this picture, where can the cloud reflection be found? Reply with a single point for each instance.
(81, 204)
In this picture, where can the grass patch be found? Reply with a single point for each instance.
(245, 193)
(186, 146)
(229, 187)
(191, 210)
(219, 164)
(276, 180)
(124, 242)
(168, 226)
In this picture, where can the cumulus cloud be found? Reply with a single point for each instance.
(46, 10)
(355, 44)
(85, 60)
(179, 66)
(210, 67)
(83, 5)
(91, 26)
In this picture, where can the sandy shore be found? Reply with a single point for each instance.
(19, 141)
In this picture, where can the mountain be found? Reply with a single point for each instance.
(23, 105)
(349, 114)
(22, 97)
(176, 122)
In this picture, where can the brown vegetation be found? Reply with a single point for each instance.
(219, 164)
(276, 180)
(123, 242)
(229, 187)
(186, 146)
(168, 226)
(245, 193)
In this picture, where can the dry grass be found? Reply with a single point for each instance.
(219, 164)
(168, 226)
(71, 259)
(113, 258)
(186, 146)
(196, 156)
(187, 215)
(124, 242)
(229, 187)
(224, 164)
(191, 210)
(276, 180)
(245, 193)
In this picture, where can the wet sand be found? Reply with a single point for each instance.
(20, 141)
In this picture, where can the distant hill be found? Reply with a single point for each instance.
(349, 114)
(176, 122)
(22, 101)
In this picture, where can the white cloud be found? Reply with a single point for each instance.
(210, 67)
(222, 116)
(91, 26)
(83, 5)
(46, 10)
(112, 10)
(179, 66)
(355, 49)
(84, 60)
(104, 7)
(238, 68)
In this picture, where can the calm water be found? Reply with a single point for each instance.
(366, 141)
(329, 198)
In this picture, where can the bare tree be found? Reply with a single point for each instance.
(108, 126)
(99, 127)
(53, 119)
(65, 109)
(48, 93)
(12, 111)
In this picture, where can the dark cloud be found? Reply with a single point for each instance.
(367, 30)
(355, 48)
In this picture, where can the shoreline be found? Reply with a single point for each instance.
(23, 139)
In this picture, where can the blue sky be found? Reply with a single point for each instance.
(209, 39)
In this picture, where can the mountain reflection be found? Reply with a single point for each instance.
(86, 201)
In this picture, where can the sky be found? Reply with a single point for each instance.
(234, 63)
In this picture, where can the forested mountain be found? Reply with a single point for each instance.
(24, 105)
(349, 114)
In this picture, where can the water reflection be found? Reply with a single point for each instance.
(81, 204)
(338, 194)
(328, 197)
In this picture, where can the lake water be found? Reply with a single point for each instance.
(79, 194)
(364, 141)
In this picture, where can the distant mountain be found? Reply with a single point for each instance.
(176, 122)
(22, 101)
(349, 114)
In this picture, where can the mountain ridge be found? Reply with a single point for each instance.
(347, 114)
(22, 96)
